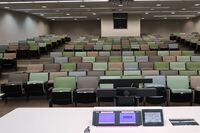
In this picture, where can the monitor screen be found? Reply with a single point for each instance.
(127, 118)
(154, 117)
(106, 118)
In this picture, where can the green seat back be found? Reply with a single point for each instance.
(43, 77)
(187, 53)
(139, 53)
(193, 65)
(128, 58)
(33, 45)
(115, 59)
(68, 67)
(68, 54)
(188, 72)
(126, 46)
(153, 45)
(178, 84)
(100, 66)
(163, 53)
(88, 59)
(177, 65)
(161, 65)
(113, 73)
(81, 54)
(107, 47)
(183, 58)
(132, 73)
(68, 83)
(1, 55)
(106, 86)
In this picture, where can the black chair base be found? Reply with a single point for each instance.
(156, 100)
(84, 98)
(34, 90)
(179, 98)
(12, 91)
(60, 98)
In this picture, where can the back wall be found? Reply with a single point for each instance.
(76, 28)
(161, 27)
(15, 26)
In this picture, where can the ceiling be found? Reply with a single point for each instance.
(55, 10)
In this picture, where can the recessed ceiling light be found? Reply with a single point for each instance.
(142, 18)
(152, 9)
(94, 13)
(6, 7)
(44, 6)
(67, 14)
(146, 12)
(183, 9)
(158, 4)
(120, 5)
(82, 6)
(197, 4)
(75, 19)
(172, 12)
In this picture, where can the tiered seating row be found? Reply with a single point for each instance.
(124, 46)
(147, 42)
(64, 85)
(119, 68)
(124, 53)
(33, 47)
(191, 40)
(28, 49)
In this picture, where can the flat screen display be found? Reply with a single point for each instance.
(127, 118)
(153, 117)
(106, 118)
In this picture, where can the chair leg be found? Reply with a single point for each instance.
(50, 104)
(27, 97)
(5, 99)
(98, 101)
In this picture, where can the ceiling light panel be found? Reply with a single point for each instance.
(101, 7)
(50, 1)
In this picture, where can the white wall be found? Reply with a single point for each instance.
(76, 29)
(192, 25)
(133, 27)
(18, 26)
(161, 27)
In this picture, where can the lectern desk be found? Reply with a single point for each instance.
(75, 120)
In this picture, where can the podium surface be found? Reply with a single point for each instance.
(75, 120)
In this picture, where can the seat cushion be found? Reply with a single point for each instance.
(35, 82)
(62, 90)
(181, 91)
(14, 83)
(86, 90)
